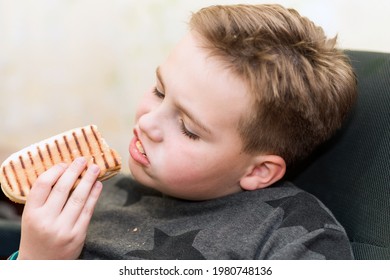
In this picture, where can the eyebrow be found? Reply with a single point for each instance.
(183, 109)
(159, 77)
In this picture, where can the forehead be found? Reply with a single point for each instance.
(202, 82)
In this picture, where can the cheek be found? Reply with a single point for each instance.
(183, 178)
(189, 168)
(182, 165)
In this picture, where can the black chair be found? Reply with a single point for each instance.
(351, 173)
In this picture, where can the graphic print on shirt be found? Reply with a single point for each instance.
(170, 247)
(318, 218)
(134, 193)
(293, 207)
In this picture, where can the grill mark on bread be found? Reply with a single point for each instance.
(68, 147)
(25, 171)
(77, 143)
(59, 149)
(88, 144)
(113, 156)
(41, 157)
(32, 163)
(7, 178)
(16, 177)
(105, 161)
(49, 153)
(100, 147)
(22, 162)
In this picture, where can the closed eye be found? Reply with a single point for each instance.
(188, 133)
(158, 93)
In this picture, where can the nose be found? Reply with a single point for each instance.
(150, 125)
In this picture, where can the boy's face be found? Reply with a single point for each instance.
(186, 141)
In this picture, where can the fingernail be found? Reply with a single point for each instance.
(81, 160)
(63, 165)
(98, 185)
(95, 168)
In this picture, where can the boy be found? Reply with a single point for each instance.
(249, 91)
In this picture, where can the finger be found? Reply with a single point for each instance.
(79, 196)
(43, 185)
(89, 207)
(64, 185)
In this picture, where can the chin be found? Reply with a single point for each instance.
(141, 177)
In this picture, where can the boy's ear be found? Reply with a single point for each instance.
(266, 170)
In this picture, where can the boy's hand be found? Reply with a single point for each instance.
(55, 222)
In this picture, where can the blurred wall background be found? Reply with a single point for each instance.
(68, 63)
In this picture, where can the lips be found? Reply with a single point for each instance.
(137, 151)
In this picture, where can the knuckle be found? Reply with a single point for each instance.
(49, 177)
(43, 180)
(61, 189)
(78, 164)
(92, 173)
(77, 200)
(88, 211)
(64, 238)
(42, 227)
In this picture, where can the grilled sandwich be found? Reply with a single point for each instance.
(20, 170)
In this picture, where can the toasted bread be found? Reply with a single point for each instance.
(20, 170)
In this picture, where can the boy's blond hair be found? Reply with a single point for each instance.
(302, 85)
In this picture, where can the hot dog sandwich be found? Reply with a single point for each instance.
(20, 170)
